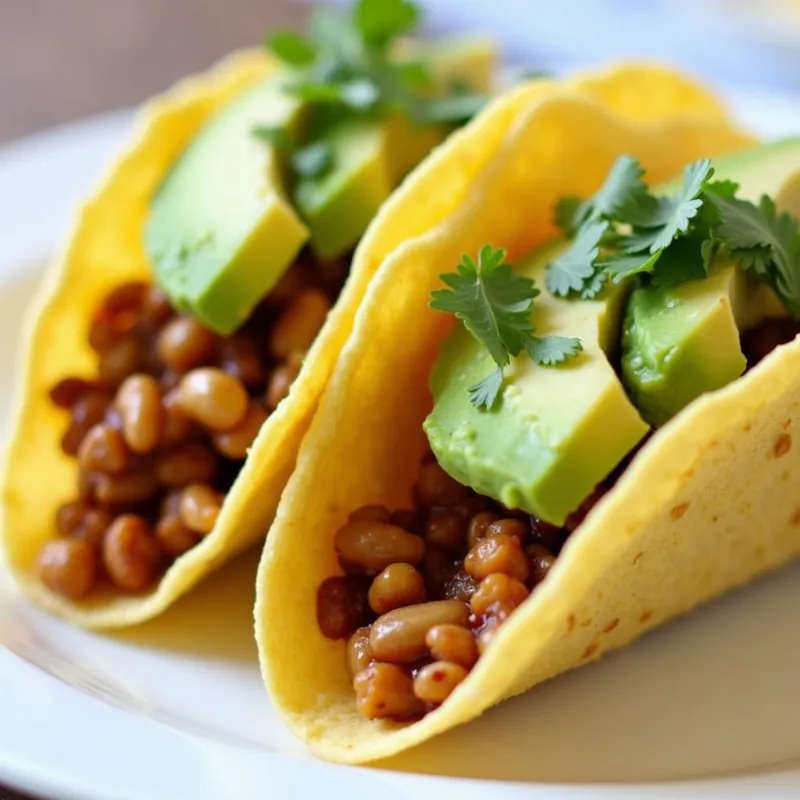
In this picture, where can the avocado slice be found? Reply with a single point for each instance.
(679, 342)
(221, 231)
(559, 431)
(339, 205)
(372, 156)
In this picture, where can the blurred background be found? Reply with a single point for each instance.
(64, 59)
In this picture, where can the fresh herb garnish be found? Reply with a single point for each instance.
(346, 66)
(659, 220)
(623, 231)
(495, 304)
(640, 228)
(310, 161)
(575, 267)
(764, 243)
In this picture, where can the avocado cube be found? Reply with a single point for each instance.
(372, 156)
(221, 231)
(558, 431)
(679, 342)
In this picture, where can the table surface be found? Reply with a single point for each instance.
(64, 59)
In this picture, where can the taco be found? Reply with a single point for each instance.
(176, 353)
(541, 439)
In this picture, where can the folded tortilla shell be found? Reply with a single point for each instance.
(691, 517)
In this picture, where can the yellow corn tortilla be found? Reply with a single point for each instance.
(701, 509)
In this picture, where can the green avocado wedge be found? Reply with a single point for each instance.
(679, 342)
(228, 220)
(371, 156)
(221, 231)
(558, 431)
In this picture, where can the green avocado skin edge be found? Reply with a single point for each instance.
(559, 431)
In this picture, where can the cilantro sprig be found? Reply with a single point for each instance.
(639, 229)
(623, 231)
(764, 243)
(496, 304)
(345, 66)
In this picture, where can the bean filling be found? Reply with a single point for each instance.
(426, 589)
(162, 428)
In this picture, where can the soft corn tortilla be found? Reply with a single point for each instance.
(701, 509)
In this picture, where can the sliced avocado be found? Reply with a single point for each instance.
(339, 205)
(221, 231)
(371, 157)
(681, 341)
(558, 431)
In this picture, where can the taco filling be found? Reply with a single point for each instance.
(564, 366)
(248, 239)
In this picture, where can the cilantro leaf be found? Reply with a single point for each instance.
(744, 225)
(456, 108)
(346, 67)
(492, 301)
(382, 21)
(620, 267)
(640, 240)
(339, 41)
(313, 92)
(292, 48)
(313, 160)
(551, 350)
(754, 259)
(567, 214)
(274, 135)
(750, 231)
(622, 184)
(414, 74)
(669, 216)
(575, 265)
(484, 394)
(686, 203)
(686, 259)
(495, 305)
(594, 285)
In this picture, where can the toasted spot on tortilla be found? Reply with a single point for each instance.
(783, 444)
(747, 427)
(570, 623)
(787, 426)
(611, 625)
(590, 650)
(678, 511)
(587, 622)
(645, 616)
(637, 558)
(796, 517)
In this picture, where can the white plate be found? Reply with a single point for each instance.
(707, 706)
